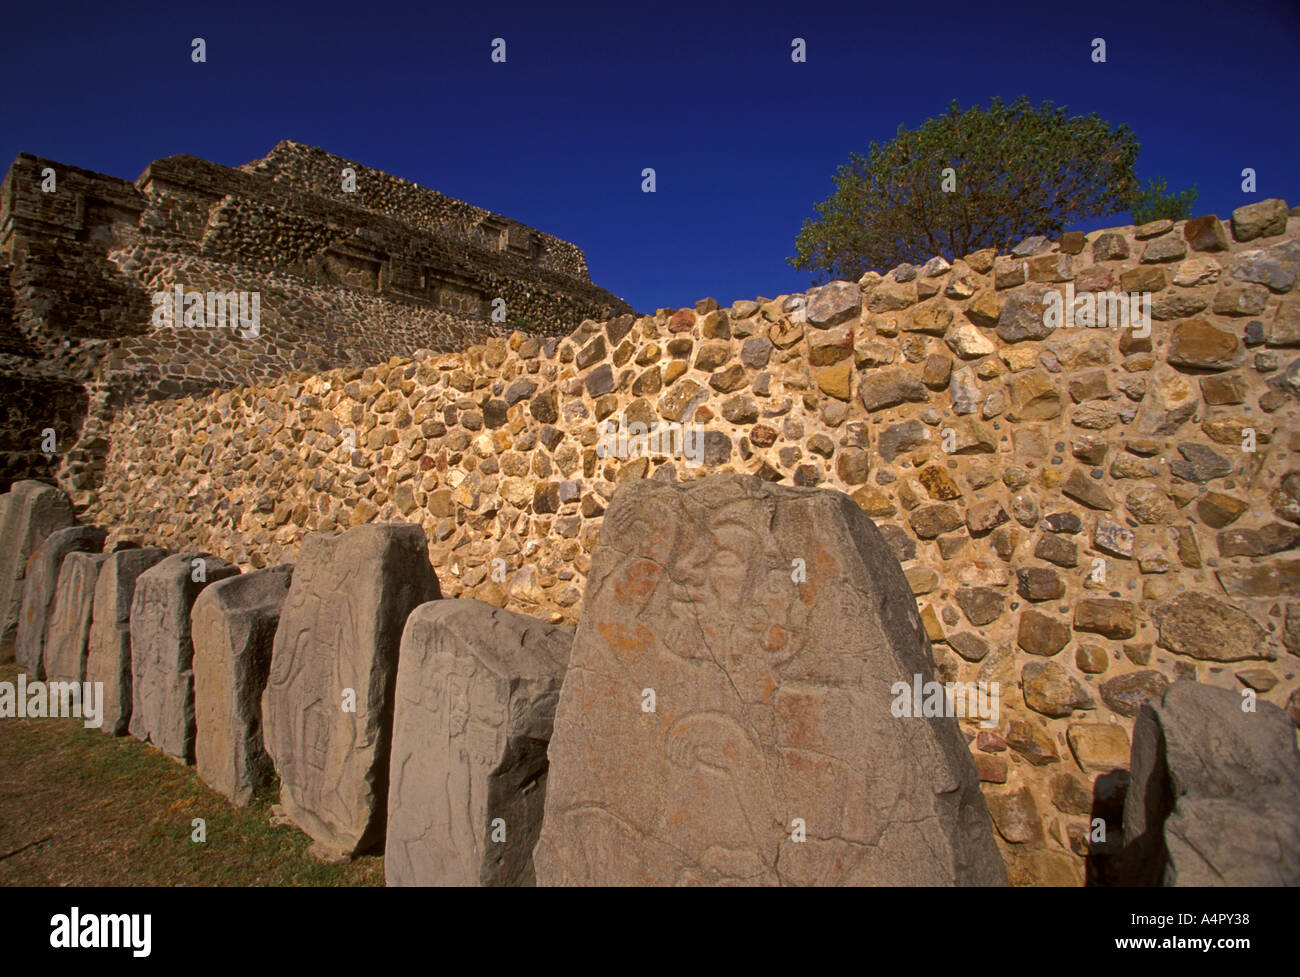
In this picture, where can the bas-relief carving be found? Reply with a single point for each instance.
(771, 702)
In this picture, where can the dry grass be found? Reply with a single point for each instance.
(78, 807)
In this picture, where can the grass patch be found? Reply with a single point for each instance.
(78, 807)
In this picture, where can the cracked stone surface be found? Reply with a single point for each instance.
(233, 625)
(327, 711)
(1215, 792)
(108, 654)
(476, 693)
(772, 705)
(162, 652)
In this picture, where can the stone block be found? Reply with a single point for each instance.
(162, 653)
(66, 643)
(327, 711)
(1214, 797)
(108, 654)
(774, 718)
(475, 702)
(233, 627)
(29, 512)
(40, 580)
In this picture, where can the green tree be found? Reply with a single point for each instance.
(1016, 170)
(1153, 202)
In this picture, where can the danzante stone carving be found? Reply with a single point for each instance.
(1076, 509)
(327, 710)
(769, 624)
(233, 627)
(476, 694)
(40, 582)
(162, 654)
(108, 656)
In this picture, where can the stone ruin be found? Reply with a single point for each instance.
(474, 707)
(727, 713)
(343, 277)
(1087, 518)
(770, 624)
(327, 709)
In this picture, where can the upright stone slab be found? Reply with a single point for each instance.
(770, 624)
(339, 633)
(32, 511)
(162, 654)
(476, 693)
(1214, 796)
(233, 627)
(69, 628)
(108, 654)
(40, 579)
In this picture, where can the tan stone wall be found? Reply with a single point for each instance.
(312, 170)
(1055, 496)
(341, 279)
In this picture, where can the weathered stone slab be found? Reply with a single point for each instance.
(774, 690)
(476, 693)
(337, 644)
(69, 629)
(1215, 792)
(162, 653)
(31, 511)
(40, 580)
(108, 655)
(233, 627)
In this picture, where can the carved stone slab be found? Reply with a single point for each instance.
(771, 624)
(69, 627)
(476, 693)
(336, 650)
(233, 627)
(40, 579)
(162, 654)
(29, 512)
(108, 655)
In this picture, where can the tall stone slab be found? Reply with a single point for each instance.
(69, 628)
(162, 653)
(108, 653)
(40, 580)
(40, 583)
(1214, 796)
(337, 645)
(31, 512)
(476, 693)
(233, 627)
(767, 626)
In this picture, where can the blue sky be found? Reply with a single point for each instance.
(743, 140)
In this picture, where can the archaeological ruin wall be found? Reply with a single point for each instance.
(340, 278)
(1084, 513)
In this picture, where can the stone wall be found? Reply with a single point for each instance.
(311, 170)
(1083, 514)
(342, 278)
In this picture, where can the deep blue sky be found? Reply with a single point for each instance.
(744, 141)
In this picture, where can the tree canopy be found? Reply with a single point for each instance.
(983, 177)
(1153, 202)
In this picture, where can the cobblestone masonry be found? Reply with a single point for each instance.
(1083, 514)
(342, 278)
